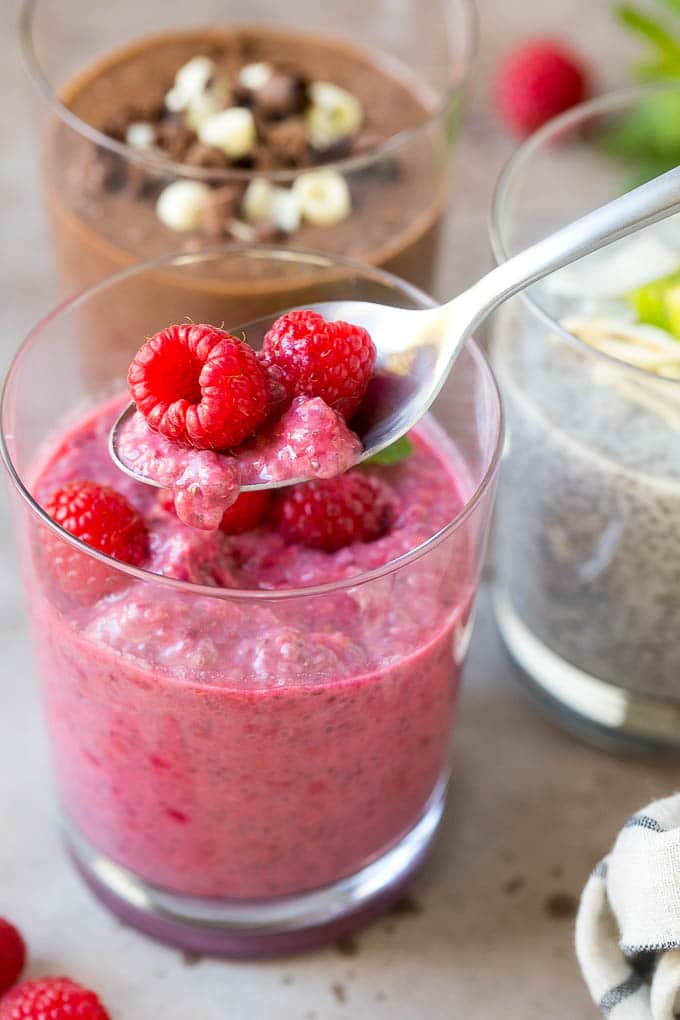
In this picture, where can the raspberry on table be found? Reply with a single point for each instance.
(199, 385)
(539, 80)
(331, 513)
(12, 954)
(51, 999)
(103, 518)
(315, 358)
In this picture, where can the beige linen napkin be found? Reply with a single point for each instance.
(628, 924)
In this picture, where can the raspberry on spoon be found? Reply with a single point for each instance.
(311, 357)
(334, 512)
(103, 518)
(12, 955)
(51, 999)
(197, 384)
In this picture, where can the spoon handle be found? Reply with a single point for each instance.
(639, 208)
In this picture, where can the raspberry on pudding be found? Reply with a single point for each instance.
(212, 415)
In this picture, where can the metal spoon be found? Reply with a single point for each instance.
(417, 349)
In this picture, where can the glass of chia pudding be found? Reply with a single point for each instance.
(250, 731)
(587, 550)
(324, 126)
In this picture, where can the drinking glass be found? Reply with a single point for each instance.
(587, 549)
(101, 193)
(244, 772)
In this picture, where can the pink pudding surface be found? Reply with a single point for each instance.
(309, 440)
(220, 744)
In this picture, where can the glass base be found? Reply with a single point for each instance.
(255, 928)
(594, 710)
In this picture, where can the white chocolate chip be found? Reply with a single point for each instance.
(182, 204)
(334, 114)
(324, 197)
(206, 104)
(232, 131)
(140, 135)
(258, 200)
(286, 210)
(255, 76)
(191, 79)
(278, 207)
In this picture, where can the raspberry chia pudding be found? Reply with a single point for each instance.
(251, 721)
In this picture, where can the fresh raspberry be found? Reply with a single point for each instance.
(333, 512)
(315, 358)
(199, 385)
(103, 518)
(246, 513)
(536, 82)
(12, 955)
(51, 999)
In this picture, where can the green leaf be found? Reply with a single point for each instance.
(650, 131)
(398, 451)
(650, 29)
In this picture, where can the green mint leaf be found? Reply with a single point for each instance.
(650, 131)
(393, 454)
(650, 29)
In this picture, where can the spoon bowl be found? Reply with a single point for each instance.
(416, 349)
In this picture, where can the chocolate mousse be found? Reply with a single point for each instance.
(246, 135)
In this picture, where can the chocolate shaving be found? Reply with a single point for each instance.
(283, 95)
(287, 142)
(206, 156)
(222, 205)
(175, 137)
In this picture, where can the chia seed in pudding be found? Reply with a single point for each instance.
(224, 746)
(588, 520)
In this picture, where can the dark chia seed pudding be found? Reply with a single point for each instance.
(588, 521)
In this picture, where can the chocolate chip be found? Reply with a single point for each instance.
(263, 158)
(206, 156)
(339, 150)
(175, 138)
(283, 95)
(287, 141)
(148, 109)
(222, 205)
(269, 232)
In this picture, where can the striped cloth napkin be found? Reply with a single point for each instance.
(628, 924)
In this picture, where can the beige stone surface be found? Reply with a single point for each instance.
(530, 810)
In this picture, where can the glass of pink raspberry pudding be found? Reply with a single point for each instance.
(250, 720)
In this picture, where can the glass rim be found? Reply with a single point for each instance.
(323, 261)
(346, 164)
(514, 167)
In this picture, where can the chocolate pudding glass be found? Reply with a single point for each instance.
(587, 545)
(358, 169)
(250, 738)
